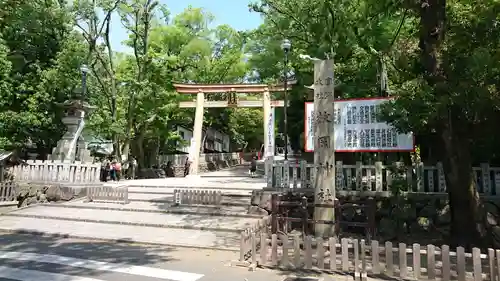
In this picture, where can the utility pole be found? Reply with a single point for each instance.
(324, 145)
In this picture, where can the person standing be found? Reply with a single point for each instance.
(253, 166)
(118, 170)
(112, 171)
(187, 165)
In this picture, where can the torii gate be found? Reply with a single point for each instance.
(231, 91)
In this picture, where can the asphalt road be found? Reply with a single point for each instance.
(33, 258)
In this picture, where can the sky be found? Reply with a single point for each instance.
(232, 12)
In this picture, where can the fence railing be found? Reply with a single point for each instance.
(8, 191)
(351, 255)
(282, 222)
(57, 171)
(378, 178)
(197, 197)
(108, 194)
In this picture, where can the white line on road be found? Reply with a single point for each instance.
(103, 266)
(32, 275)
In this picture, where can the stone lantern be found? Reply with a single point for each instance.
(72, 145)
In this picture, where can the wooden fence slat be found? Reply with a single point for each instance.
(345, 254)
(321, 253)
(362, 249)
(431, 262)
(242, 246)
(308, 252)
(491, 264)
(274, 249)
(254, 248)
(263, 248)
(296, 251)
(403, 269)
(497, 254)
(461, 263)
(416, 261)
(284, 258)
(389, 257)
(476, 263)
(357, 275)
(332, 245)
(375, 257)
(445, 258)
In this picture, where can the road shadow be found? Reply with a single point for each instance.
(119, 254)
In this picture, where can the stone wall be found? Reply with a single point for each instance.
(422, 218)
(29, 193)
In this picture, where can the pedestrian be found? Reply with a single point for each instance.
(253, 166)
(133, 167)
(118, 170)
(104, 170)
(187, 165)
(112, 171)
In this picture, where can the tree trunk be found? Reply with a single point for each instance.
(467, 223)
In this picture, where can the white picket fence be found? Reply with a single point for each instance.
(108, 194)
(197, 197)
(57, 171)
(376, 179)
(258, 248)
(8, 191)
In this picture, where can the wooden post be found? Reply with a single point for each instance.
(324, 145)
(197, 134)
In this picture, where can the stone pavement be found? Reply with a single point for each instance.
(151, 217)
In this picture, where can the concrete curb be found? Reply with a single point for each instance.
(180, 212)
(189, 227)
(130, 241)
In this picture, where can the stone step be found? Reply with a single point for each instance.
(139, 206)
(170, 191)
(122, 233)
(140, 219)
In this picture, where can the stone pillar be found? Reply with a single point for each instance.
(324, 145)
(197, 134)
